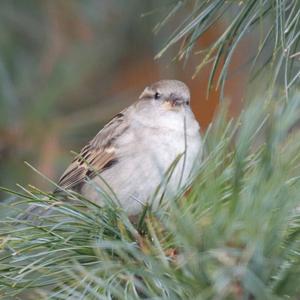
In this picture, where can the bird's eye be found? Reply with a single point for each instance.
(157, 96)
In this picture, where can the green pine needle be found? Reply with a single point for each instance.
(234, 235)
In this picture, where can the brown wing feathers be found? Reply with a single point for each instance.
(98, 155)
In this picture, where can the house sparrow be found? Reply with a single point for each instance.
(147, 151)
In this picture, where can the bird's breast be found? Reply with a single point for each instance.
(158, 151)
(144, 157)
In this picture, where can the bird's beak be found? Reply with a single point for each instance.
(175, 100)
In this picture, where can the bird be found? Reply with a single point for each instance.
(147, 152)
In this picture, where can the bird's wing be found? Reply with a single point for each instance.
(97, 155)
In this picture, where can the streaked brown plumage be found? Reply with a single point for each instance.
(98, 154)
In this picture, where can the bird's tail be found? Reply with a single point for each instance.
(36, 212)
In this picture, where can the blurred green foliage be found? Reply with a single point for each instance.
(235, 235)
(59, 58)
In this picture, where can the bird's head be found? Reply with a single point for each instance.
(172, 94)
